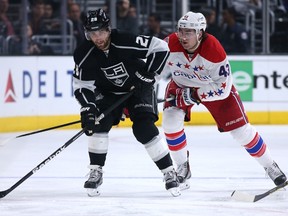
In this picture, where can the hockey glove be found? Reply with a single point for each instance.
(88, 117)
(143, 81)
(184, 97)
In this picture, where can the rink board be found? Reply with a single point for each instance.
(37, 92)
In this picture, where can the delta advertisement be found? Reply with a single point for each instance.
(38, 90)
(37, 86)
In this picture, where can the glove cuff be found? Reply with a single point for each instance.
(189, 98)
(88, 108)
(195, 96)
(145, 79)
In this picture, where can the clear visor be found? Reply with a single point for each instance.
(101, 33)
(186, 33)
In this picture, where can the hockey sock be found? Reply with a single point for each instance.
(178, 146)
(98, 147)
(257, 148)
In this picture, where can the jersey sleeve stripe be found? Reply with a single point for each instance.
(86, 56)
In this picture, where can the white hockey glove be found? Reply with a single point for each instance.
(184, 97)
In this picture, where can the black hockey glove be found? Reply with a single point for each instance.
(142, 82)
(88, 117)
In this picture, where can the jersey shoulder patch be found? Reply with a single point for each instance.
(212, 50)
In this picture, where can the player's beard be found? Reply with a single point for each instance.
(104, 44)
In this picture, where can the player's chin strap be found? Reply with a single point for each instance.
(59, 150)
(196, 45)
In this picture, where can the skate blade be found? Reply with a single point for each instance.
(185, 185)
(175, 192)
(92, 192)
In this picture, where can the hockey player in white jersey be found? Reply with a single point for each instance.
(201, 74)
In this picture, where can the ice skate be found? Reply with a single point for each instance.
(184, 174)
(171, 183)
(94, 182)
(274, 172)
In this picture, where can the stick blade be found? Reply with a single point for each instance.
(242, 196)
(4, 193)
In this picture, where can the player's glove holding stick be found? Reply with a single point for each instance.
(143, 80)
(185, 97)
(88, 117)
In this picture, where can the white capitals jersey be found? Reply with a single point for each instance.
(207, 69)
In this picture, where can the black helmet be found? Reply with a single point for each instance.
(96, 20)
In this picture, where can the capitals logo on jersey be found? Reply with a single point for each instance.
(117, 74)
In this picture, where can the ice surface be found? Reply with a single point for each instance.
(132, 183)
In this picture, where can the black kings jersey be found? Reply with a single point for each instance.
(114, 71)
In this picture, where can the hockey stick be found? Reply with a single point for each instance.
(165, 100)
(59, 150)
(241, 196)
(38, 131)
(39, 166)
(47, 129)
(55, 127)
(2, 143)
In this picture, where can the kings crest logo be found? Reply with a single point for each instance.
(117, 74)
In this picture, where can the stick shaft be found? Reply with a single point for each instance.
(50, 128)
(39, 166)
(242, 196)
(267, 193)
(64, 125)
(165, 100)
(79, 121)
(59, 150)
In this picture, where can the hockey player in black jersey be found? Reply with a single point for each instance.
(107, 65)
